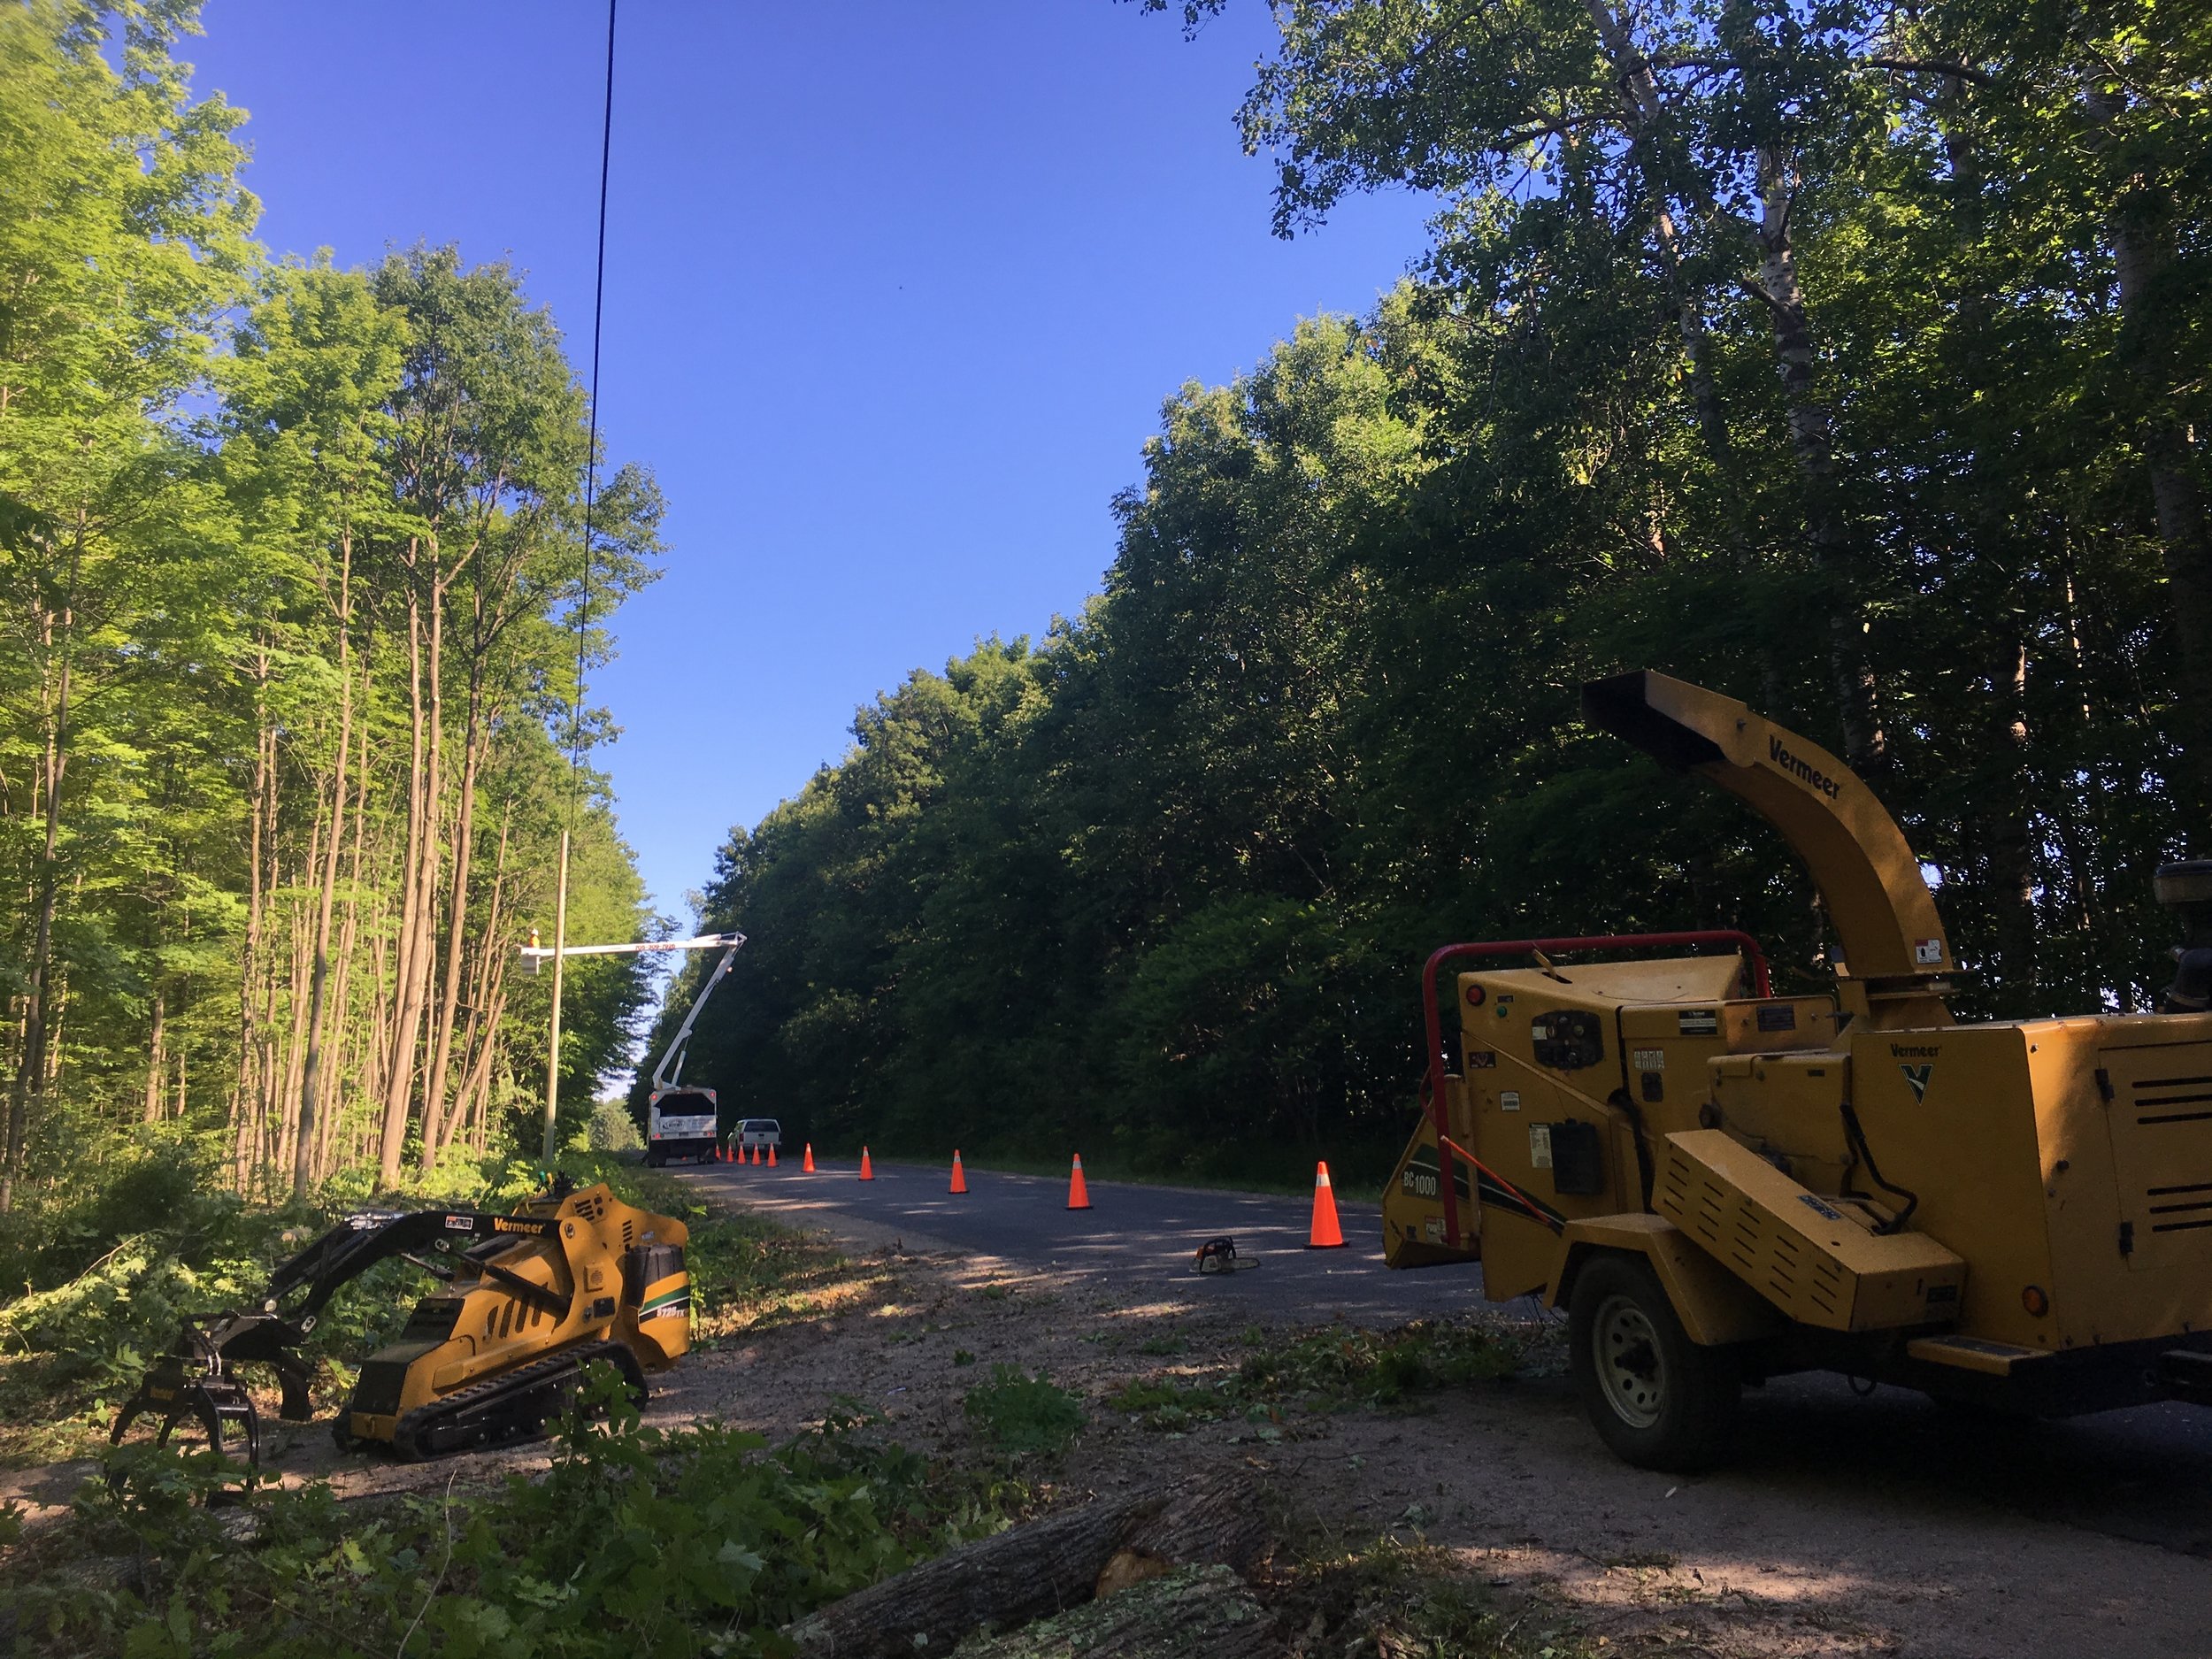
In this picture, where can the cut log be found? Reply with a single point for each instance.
(1188, 1613)
(1044, 1567)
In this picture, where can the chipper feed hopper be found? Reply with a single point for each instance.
(526, 1301)
(1721, 1185)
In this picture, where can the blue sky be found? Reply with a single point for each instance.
(894, 293)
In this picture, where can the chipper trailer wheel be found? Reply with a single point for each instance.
(1659, 1400)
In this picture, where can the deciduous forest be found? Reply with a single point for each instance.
(292, 584)
(1852, 358)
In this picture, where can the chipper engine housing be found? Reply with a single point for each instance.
(1721, 1184)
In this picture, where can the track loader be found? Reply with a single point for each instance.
(1722, 1185)
(525, 1301)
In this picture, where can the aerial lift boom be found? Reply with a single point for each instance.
(693, 1135)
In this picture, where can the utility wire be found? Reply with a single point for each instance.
(591, 452)
(583, 618)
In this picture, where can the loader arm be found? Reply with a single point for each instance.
(196, 1377)
(1893, 944)
(371, 1236)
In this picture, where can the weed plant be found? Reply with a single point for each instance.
(1022, 1414)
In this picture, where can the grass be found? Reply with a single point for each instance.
(1326, 1371)
(1023, 1414)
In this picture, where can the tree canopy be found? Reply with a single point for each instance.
(292, 563)
(1846, 359)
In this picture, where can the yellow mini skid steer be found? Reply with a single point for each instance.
(1721, 1184)
(526, 1301)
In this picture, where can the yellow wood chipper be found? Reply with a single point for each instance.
(1722, 1185)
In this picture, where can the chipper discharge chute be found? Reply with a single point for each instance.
(1721, 1185)
(526, 1301)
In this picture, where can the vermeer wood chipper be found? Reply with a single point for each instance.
(528, 1301)
(1721, 1185)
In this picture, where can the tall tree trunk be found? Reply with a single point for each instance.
(484, 975)
(1812, 446)
(2011, 856)
(58, 630)
(303, 967)
(326, 899)
(479, 1086)
(2139, 221)
(250, 947)
(341, 987)
(1644, 113)
(406, 1006)
(156, 1069)
(464, 840)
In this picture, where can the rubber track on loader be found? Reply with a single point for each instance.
(509, 1406)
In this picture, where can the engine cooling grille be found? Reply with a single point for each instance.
(2158, 1108)
(1795, 1248)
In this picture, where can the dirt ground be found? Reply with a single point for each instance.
(1809, 1559)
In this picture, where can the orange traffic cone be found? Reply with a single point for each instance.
(756, 1155)
(867, 1169)
(1078, 1195)
(771, 1155)
(1326, 1236)
(807, 1168)
(959, 1175)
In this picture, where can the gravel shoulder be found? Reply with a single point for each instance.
(1839, 1530)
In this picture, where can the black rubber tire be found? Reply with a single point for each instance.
(1676, 1408)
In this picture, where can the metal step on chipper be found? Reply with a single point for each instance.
(1722, 1185)
(526, 1301)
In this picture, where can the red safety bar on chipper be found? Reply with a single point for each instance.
(1762, 983)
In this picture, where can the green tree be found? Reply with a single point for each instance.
(126, 237)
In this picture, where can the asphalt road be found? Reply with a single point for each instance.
(2145, 1474)
(1138, 1236)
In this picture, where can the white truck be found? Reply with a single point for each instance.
(681, 1125)
(680, 1122)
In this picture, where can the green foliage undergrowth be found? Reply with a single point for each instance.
(105, 1281)
(637, 1542)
